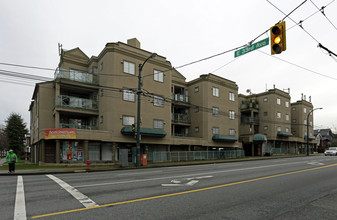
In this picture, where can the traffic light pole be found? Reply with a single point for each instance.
(139, 92)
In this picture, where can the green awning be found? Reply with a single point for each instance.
(223, 138)
(311, 138)
(284, 134)
(259, 138)
(144, 132)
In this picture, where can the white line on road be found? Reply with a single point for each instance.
(192, 174)
(20, 204)
(85, 200)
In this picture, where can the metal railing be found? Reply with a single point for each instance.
(175, 156)
(75, 102)
(77, 126)
(76, 75)
(178, 117)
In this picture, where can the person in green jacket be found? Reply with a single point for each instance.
(11, 160)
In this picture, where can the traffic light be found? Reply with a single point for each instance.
(134, 131)
(278, 38)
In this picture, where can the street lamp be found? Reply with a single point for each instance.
(308, 128)
(139, 91)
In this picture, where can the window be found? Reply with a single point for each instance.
(158, 76)
(196, 89)
(310, 123)
(287, 104)
(294, 108)
(231, 132)
(215, 111)
(158, 124)
(294, 120)
(287, 117)
(305, 110)
(129, 67)
(101, 66)
(128, 120)
(215, 91)
(265, 113)
(287, 129)
(278, 114)
(94, 70)
(196, 109)
(128, 95)
(158, 101)
(215, 130)
(278, 101)
(265, 99)
(305, 121)
(293, 132)
(101, 119)
(231, 114)
(265, 128)
(279, 128)
(196, 129)
(231, 96)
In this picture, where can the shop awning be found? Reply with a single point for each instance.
(259, 138)
(150, 132)
(223, 138)
(311, 138)
(284, 134)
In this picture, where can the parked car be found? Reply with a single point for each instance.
(331, 151)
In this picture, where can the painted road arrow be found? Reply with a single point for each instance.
(186, 181)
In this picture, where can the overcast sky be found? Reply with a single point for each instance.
(183, 32)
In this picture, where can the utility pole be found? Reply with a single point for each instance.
(139, 92)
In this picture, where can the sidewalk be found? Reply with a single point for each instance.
(57, 170)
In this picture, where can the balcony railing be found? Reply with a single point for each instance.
(250, 120)
(184, 118)
(76, 75)
(181, 98)
(75, 102)
(77, 126)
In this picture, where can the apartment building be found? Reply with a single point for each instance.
(89, 108)
(270, 123)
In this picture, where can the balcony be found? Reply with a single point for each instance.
(248, 105)
(250, 120)
(183, 118)
(78, 126)
(181, 98)
(76, 75)
(75, 102)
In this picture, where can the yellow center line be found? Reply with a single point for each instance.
(184, 192)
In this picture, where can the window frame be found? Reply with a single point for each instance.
(158, 75)
(215, 91)
(129, 95)
(215, 111)
(129, 64)
(231, 96)
(128, 117)
(158, 124)
(231, 114)
(158, 101)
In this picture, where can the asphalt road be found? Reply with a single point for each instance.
(291, 188)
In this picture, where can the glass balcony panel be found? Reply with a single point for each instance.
(75, 102)
(77, 126)
(181, 98)
(76, 75)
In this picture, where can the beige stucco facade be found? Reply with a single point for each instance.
(97, 97)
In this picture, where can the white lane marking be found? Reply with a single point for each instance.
(85, 200)
(191, 181)
(20, 204)
(194, 174)
(316, 163)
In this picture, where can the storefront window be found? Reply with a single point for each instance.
(72, 151)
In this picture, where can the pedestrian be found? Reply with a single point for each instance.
(11, 160)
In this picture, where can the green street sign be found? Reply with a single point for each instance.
(252, 47)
